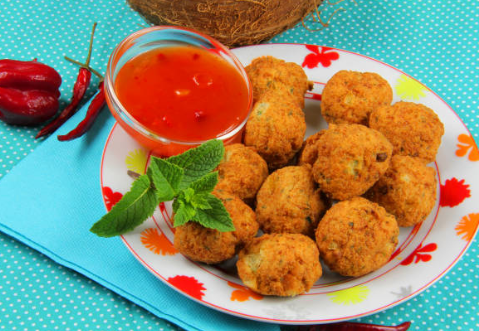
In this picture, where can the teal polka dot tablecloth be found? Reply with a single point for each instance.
(435, 41)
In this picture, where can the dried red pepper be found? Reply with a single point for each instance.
(79, 89)
(351, 326)
(28, 92)
(93, 110)
(27, 107)
(29, 75)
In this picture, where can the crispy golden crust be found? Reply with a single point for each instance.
(350, 96)
(267, 73)
(351, 158)
(289, 202)
(309, 151)
(242, 171)
(276, 128)
(356, 237)
(211, 246)
(407, 190)
(244, 218)
(280, 264)
(413, 129)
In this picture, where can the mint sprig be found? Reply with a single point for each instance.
(166, 178)
(187, 179)
(199, 161)
(136, 206)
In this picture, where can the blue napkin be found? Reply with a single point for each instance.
(50, 200)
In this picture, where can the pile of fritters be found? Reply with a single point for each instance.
(340, 195)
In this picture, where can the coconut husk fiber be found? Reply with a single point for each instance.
(232, 22)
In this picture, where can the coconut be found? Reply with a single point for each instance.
(232, 22)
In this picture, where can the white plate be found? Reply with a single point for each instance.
(424, 254)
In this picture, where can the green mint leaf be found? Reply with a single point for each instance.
(182, 212)
(199, 161)
(205, 184)
(185, 196)
(166, 178)
(184, 201)
(217, 217)
(200, 201)
(133, 209)
(196, 195)
(180, 217)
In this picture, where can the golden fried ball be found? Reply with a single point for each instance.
(351, 158)
(212, 246)
(242, 171)
(350, 96)
(413, 129)
(267, 72)
(356, 237)
(407, 190)
(309, 151)
(289, 202)
(276, 128)
(280, 264)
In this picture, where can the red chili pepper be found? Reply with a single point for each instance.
(28, 92)
(29, 75)
(351, 326)
(93, 110)
(79, 89)
(27, 107)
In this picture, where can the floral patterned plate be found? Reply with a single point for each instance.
(424, 254)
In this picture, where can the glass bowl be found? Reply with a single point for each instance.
(153, 38)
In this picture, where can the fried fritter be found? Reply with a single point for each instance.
(212, 246)
(356, 237)
(351, 158)
(350, 96)
(280, 264)
(289, 202)
(276, 127)
(413, 129)
(407, 190)
(267, 73)
(309, 151)
(241, 172)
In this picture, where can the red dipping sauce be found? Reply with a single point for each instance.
(172, 88)
(183, 93)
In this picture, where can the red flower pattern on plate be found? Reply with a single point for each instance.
(110, 197)
(189, 285)
(325, 56)
(420, 254)
(454, 192)
(401, 248)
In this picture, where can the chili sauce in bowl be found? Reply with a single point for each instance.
(172, 89)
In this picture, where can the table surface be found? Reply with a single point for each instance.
(434, 41)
